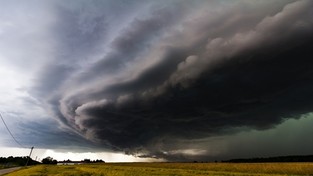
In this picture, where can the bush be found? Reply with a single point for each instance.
(49, 160)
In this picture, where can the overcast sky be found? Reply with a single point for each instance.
(176, 80)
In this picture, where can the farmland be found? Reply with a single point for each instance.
(168, 169)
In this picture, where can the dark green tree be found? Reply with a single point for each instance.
(49, 160)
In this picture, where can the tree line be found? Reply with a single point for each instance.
(21, 161)
(17, 161)
(296, 158)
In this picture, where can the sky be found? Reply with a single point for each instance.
(166, 80)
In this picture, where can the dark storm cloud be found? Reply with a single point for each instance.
(135, 40)
(79, 32)
(188, 72)
(50, 80)
(45, 135)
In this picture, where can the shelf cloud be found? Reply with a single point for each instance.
(152, 78)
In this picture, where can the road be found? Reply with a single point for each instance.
(5, 171)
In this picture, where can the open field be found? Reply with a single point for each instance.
(169, 169)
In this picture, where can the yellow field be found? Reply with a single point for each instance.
(169, 169)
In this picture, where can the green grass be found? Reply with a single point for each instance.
(169, 169)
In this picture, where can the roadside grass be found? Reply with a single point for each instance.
(169, 169)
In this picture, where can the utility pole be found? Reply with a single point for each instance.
(31, 150)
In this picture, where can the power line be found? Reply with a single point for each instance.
(6, 126)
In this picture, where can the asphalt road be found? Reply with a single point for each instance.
(5, 171)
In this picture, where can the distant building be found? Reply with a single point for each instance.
(85, 161)
(69, 162)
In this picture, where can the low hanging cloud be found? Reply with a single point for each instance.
(178, 72)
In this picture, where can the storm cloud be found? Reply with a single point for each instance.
(176, 71)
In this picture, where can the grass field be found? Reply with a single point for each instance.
(168, 169)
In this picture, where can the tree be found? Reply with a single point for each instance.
(17, 161)
(49, 160)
